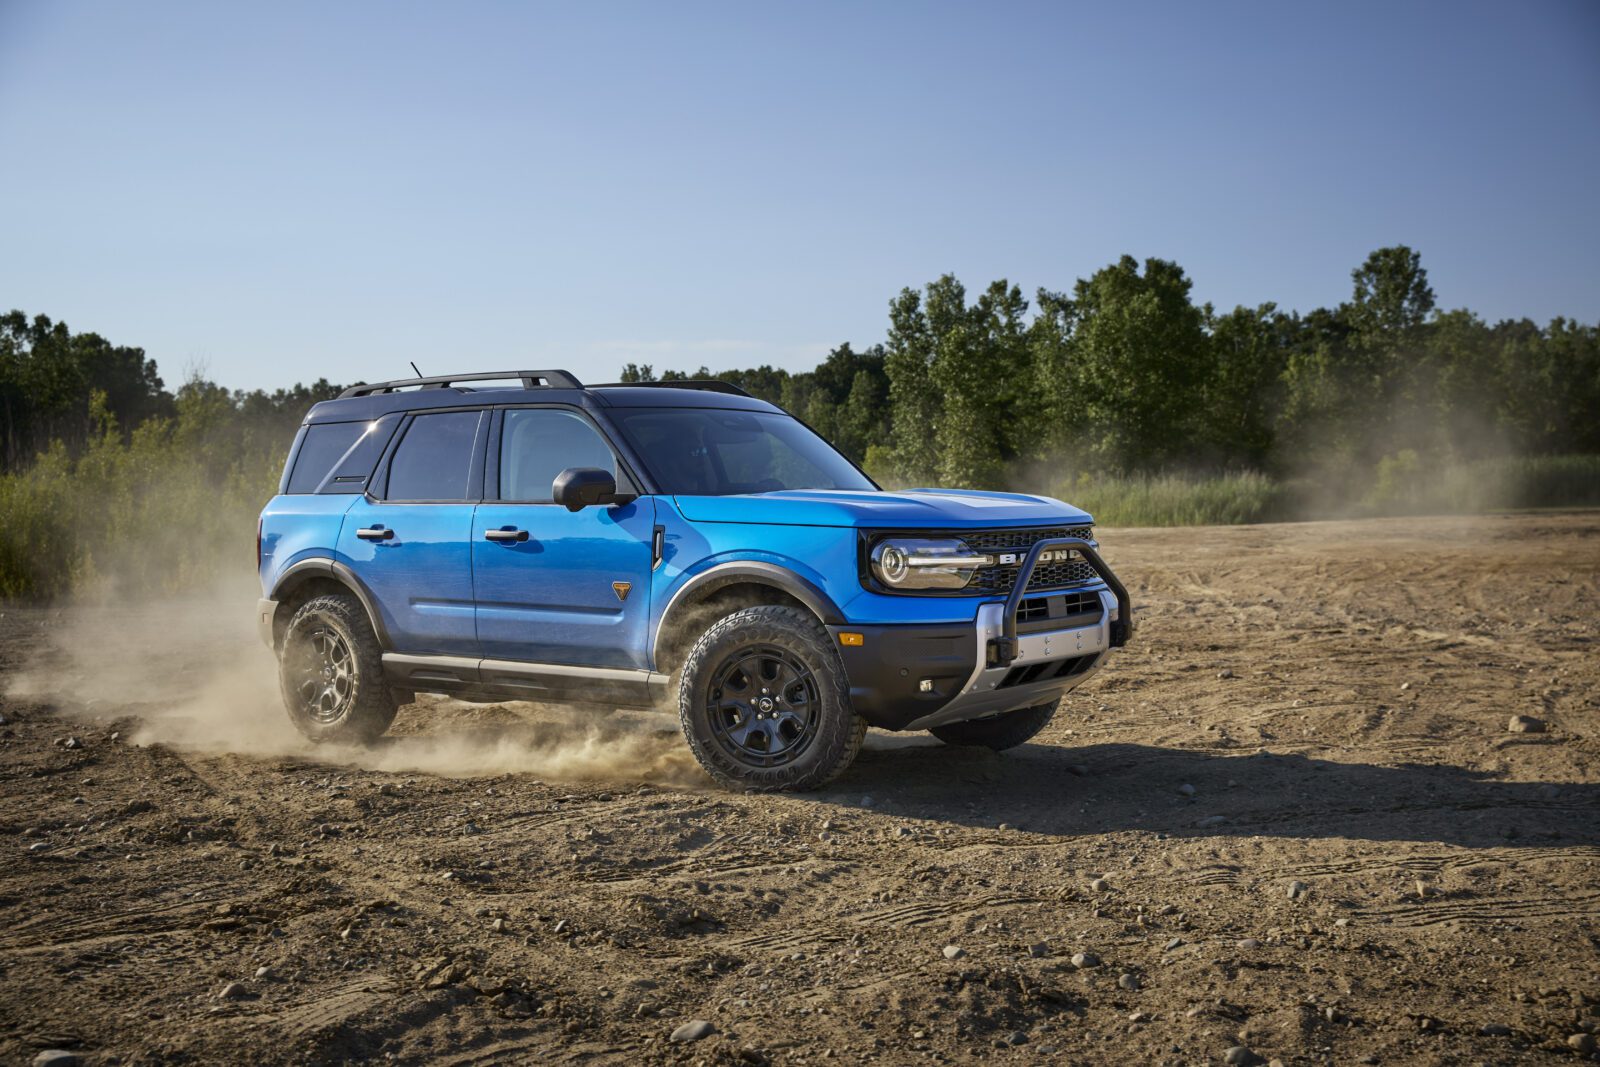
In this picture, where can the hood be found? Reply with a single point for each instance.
(926, 508)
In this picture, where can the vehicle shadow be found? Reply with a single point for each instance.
(1061, 791)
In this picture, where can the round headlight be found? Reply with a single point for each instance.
(893, 564)
(925, 563)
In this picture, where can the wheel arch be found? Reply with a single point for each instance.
(321, 576)
(725, 588)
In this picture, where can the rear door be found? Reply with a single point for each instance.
(576, 589)
(408, 538)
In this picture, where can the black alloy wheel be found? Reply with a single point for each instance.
(763, 706)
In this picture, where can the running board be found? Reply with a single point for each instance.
(516, 680)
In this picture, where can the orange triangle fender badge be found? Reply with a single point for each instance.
(621, 589)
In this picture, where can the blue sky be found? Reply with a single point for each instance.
(277, 192)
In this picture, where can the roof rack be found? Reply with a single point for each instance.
(531, 379)
(708, 385)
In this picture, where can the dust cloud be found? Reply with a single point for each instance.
(194, 676)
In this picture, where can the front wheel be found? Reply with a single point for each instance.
(998, 732)
(330, 671)
(765, 703)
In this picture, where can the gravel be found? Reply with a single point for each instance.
(954, 952)
(1085, 960)
(1525, 724)
(1186, 789)
(1239, 1054)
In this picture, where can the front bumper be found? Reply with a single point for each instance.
(887, 669)
(917, 677)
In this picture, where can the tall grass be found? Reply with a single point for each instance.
(1172, 500)
(169, 507)
(1404, 484)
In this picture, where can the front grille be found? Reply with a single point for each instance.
(1012, 540)
(1059, 611)
(1001, 577)
(1033, 609)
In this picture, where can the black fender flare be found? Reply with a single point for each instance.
(324, 567)
(744, 572)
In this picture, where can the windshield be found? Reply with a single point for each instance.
(717, 452)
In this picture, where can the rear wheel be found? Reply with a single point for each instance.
(765, 704)
(1000, 731)
(330, 671)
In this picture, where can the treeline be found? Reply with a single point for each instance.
(59, 389)
(1121, 395)
(1126, 376)
(110, 482)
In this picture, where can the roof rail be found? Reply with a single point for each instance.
(531, 379)
(706, 384)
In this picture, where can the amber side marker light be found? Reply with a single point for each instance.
(854, 640)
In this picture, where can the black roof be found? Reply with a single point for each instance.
(370, 401)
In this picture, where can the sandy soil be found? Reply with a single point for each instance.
(1371, 867)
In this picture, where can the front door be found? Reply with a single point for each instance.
(409, 538)
(574, 590)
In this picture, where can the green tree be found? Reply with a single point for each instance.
(956, 375)
(1137, 360)
(1392, 297)
(1250, 350)
(914, 406)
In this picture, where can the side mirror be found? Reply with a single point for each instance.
(577, 488)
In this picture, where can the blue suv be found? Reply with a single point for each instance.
(519, 536)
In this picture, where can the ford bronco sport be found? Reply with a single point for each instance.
(625, 545)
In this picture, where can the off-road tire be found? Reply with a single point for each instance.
(367, 706)
(999, 732)
(794, 633)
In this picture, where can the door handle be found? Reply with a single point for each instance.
(506, 534)
(378, 532)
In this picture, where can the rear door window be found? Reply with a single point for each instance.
(435, 457)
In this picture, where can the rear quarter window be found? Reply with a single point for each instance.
(338, 457)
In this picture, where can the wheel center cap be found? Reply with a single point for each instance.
(766, 704)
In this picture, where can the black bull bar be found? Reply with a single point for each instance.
(1005, 649)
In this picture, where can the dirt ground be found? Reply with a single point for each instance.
(1290, 817)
